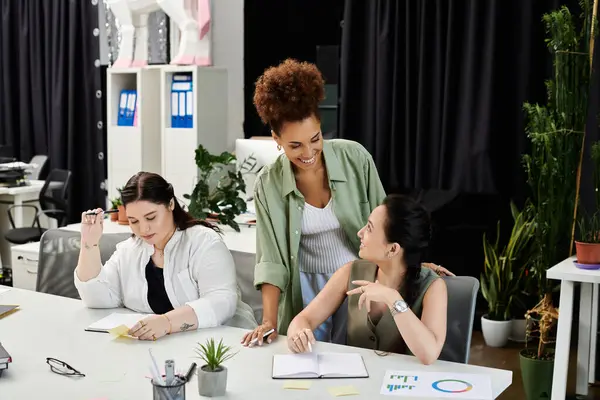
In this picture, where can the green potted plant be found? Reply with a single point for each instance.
(587, 247)
(212, 376)
(121, 215)
(537, 361)
(217, 192)
(555, 132)
(503, 271)
(115, 203)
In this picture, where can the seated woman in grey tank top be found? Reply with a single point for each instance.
(394, 304)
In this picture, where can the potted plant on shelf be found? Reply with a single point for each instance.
(587, 247)
(217, 192)
(115, 203)
(504, 269)
(212, 376)
(122, 215)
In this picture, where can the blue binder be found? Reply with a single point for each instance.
(127, 107)
(182, 101)
(121, 121)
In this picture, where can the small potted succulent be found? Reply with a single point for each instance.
(122, 216)
(588, 246)
(212, 376)
(115, 203)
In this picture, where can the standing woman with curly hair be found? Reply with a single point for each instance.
(310, 202)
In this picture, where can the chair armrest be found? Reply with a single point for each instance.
(10, 217)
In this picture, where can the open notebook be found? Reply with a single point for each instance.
(114, 320)
(319, 365)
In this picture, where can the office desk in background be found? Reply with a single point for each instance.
(17, 196)
(52, 326)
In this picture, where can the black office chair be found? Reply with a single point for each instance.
(53, 203)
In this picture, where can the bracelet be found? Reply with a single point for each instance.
(170, 326)
(87, 246)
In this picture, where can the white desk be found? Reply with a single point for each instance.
(568, 274)
(18, 196)
(51, 326)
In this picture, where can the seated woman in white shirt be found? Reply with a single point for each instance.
(174, 266)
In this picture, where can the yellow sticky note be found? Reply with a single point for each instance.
(298, 385)
(120, 330)
(342, 391)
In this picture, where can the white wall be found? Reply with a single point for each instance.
(227, 52)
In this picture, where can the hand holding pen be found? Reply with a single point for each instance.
(91, 227)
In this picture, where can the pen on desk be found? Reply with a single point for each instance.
(105, 212)
(188, 375)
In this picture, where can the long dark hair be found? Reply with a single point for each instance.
(148, 186)
(408, 224)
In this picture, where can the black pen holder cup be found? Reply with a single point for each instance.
(174, 391)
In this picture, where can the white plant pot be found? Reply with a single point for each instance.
(495, 333)
(517, 330)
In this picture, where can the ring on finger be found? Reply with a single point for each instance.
(153, 337)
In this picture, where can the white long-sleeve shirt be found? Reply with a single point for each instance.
(198, 271)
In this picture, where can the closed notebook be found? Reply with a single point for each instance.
(319, 365)
(114, 320)
(7, 310)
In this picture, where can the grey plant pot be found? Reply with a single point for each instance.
(212, 383)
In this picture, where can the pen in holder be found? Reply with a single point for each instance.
(174, 390)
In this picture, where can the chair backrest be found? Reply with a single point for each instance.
(40, 163)
(462, 297)
(58, 256)
(55, 198)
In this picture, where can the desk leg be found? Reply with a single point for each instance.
(583, 342)
(593, 333)
(563, 340)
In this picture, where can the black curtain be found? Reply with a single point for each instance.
(434, 89)
(50, 90)
(275, 30)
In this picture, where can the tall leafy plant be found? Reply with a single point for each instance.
(556, 134)
(216, 193)
(505, 268)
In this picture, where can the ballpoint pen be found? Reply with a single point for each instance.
(105, 212)
(188, 375)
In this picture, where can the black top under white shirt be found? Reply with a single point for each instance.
(157, 294)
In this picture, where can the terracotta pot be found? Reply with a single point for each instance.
(587, 253)
(122, 218)
(114, 217)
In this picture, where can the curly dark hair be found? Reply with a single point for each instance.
(289, 92)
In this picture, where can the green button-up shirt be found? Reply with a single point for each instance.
(356, 190)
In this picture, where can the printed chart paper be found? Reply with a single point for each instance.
(437, 385)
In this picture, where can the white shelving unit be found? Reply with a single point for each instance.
(133, 148)
(209, 85)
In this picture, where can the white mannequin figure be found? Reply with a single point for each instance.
(194, 44)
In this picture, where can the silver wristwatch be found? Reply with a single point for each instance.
(399, 306)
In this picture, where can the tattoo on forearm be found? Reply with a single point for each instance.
(185, 326)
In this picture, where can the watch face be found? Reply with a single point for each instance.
(400, 306)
